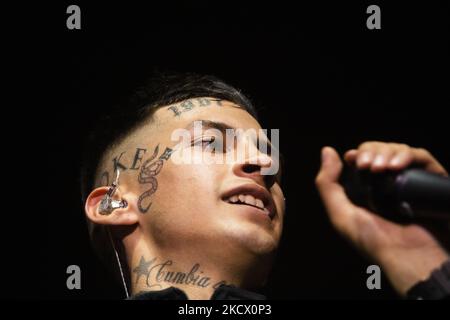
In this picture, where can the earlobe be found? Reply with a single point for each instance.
(100, 208)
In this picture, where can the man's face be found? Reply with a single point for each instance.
(209, 206)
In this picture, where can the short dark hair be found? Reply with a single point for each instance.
(160, 90)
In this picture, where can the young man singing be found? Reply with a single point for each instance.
(204, 228)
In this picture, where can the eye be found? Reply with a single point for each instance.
(205, 143)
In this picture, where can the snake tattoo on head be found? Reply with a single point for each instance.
(147, 175)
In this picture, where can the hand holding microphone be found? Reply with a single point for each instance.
(408, 186)
(407, 253)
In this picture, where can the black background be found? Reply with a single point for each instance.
(314, 70)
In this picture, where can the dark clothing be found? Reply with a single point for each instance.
(223, 292)
(436, 287)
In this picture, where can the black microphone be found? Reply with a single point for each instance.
(401, 196)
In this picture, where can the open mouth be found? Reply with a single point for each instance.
(252, 195)
(248, 200)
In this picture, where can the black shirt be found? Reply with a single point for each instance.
(224, 292)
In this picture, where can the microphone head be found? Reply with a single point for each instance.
(400, 196)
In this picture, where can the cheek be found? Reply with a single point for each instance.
(191, 179)
(184, 205)
(187, 191)
(280, 203)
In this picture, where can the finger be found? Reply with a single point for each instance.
(350, 156)
(430, 163)
(401, 159)
(405, 156)
(330, 169)
(364, 159)
(338, 206)
(366, 154)
(382, 157)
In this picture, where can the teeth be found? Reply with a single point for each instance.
(259, 204)
(248, 199)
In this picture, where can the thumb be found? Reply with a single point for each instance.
(337, 205)
(331, 167)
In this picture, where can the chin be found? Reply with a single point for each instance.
(262, 247)
(254, 240)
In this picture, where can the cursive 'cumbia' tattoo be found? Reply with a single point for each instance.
(156, 273)
(147, 175)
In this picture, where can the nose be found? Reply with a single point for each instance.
(251, 167)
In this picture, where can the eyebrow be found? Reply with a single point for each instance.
(222, 126)
(208, 124)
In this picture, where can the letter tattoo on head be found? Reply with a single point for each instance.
(191, 104)
(147, 175)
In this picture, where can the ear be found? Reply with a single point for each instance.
(119, 216)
